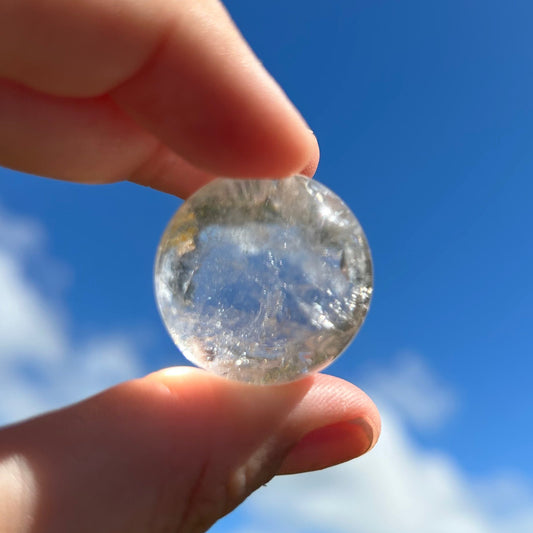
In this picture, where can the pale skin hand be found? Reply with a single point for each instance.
(167, 94)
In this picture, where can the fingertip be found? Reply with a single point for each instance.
(166, 171)
(346, 425)
(213, 103)
(319, 421)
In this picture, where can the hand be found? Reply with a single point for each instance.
(167, 94)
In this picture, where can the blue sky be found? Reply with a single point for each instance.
(424, 114)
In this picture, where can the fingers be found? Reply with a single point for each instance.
(204, 86)
(177, 450)
(157, 92)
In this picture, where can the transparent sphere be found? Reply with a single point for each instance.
(263, 281)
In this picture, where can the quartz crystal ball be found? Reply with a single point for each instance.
(263, 281)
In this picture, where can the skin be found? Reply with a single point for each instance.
(167, 94)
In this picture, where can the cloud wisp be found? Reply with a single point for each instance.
(41, 366)
(412, 390)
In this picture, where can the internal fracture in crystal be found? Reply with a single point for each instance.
(263, 281)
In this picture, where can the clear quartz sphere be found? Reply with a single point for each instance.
(263, 281)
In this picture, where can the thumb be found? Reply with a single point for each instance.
(173, 451)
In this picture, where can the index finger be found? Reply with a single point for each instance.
(179, 67)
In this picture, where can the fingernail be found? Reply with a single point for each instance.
(330, 445)
(311, 166)
(367, 428)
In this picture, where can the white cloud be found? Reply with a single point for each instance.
(510, 498)
(28, 325)
(410, 388)
(41, 366)
(20, 234)
(399, 487)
